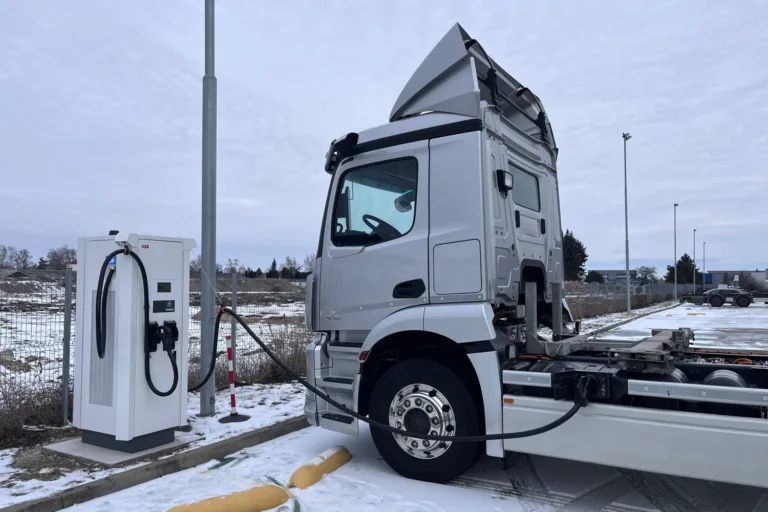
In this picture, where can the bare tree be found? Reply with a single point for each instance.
(232, 265)
(309, 263)
(196, 264)
(59, 258)
(24, 260)
(7, 256)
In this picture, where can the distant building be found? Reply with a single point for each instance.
(12, 275)
(613, 276)
(742, 278)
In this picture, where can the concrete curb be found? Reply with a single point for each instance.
(606, 328)
(159, 468)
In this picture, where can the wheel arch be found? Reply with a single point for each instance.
(415, 344)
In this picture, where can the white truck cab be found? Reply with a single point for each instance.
(441, 253)
(433, 224)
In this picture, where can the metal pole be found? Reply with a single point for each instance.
(704, 277)
(694, 261)
(674, 262)
(234, 322)
(626, 137)
(67, 338)
(207, 290)
(557, 311)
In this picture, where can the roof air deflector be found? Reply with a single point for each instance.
(446, 81)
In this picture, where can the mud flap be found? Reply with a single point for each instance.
(568, 319)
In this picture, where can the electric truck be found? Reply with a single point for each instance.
(439, 256)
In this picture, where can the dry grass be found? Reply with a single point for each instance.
(255, 367)
(22, 407)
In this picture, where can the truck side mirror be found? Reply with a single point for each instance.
(403, 202)
(505, 180)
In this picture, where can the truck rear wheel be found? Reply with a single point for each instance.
(742, 301)
(716, 301)
(425, 397)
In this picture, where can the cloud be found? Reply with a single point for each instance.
(102, 112)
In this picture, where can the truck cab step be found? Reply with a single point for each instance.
(339, 380)
(340, 418)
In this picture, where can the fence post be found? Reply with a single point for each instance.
(234, 323)
(67, 337)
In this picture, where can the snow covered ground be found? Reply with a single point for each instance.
(36, 475)
(363, 484)
(725, 327)
(589, 325)
(366, 483)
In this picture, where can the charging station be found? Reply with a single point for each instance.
(131, 342)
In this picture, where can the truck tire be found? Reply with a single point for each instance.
(425, 397)
(716, 301)
(742, 301)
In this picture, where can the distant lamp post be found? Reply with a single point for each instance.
(674, 262)
(694, 261)
(626, 137)
(704, 277)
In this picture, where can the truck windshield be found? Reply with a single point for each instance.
(375, 203)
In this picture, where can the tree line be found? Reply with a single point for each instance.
(21, 259)
(575, 257)
(60, 258)
(289, 269)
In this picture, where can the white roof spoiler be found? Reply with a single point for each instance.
(457, 75)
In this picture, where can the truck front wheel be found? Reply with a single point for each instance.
(424, 397)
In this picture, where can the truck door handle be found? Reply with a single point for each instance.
(409, 289)
(543, 227)
(517, 218)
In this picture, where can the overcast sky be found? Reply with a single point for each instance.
(101, 115)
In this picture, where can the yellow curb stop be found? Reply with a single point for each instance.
(328, 461)
(269, 496)
(257, 499)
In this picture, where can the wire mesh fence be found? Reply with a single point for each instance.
(587, 300)
(37, 361)
(32, 349)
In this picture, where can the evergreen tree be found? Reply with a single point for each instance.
(595, 277)
(574, 257)
(272, 272)
(685, 269)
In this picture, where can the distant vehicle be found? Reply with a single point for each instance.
(719, 296)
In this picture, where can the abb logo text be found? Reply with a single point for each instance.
(145, 246)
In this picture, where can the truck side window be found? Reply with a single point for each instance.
(526, 190)
(375, 203)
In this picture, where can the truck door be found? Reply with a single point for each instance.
(375, 239)
(530, 211)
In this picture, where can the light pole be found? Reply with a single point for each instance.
(694, 261)
(626, 137)
(674, 263)
(207, 291)
(704, 277)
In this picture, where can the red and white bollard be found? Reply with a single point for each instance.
(233, 415)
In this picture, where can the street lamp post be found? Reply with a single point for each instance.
(674, 262)
(694, 261)
(626, 137)
(207, 290)
(704, 277)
